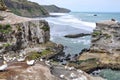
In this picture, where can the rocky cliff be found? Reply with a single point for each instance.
(105, 47)
(26, 8)
(23, 36)
(106, 36)
(55, 9)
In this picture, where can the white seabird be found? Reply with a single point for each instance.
(21, 59)
(66, 67)
(30, 62)
(4, 66)
(62, 76)
(71, 68)
(41, 59)
(47, 63)
(73, 75)
(79, 71)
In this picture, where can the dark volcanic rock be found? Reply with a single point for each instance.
(76, 35)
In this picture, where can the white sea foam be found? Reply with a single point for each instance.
(58, 14)
(67, 19)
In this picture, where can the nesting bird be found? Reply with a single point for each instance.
(71, 68)
(79, 71)
(30, 62)
(66, 67)
(3, 66)
(62, 76)
(47, 63)
(72, 75)
(21, 59)
(41, 59)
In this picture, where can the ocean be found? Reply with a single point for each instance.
(62, 24)
(75, 22)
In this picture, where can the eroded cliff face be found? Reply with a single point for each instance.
(106, 37)
(23, 35)
(105, 47)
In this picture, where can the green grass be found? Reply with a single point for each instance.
(107, 36)
(45, 52)
(6, 45)
(35, 55)
(45, 28)
(5, 29)
(96, 33)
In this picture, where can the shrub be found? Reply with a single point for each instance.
(6, 45)
(96, 33)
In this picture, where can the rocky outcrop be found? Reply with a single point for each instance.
(19, 35)
(71, 73)
(26, 8)
(21, 71)
(105, 48)
(76, 35)
(55, 9)
(106, 36)
(40, 71)
(24, 34)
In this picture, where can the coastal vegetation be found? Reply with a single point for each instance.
(5, 29)
(35, 55)
(6, 45)
(96, 33)
(28, 8)
(45, 28)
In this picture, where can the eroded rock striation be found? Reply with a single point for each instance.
(106, 36)
(105, 47)
(23, 34)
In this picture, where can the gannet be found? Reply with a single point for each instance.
(41, 59)
(4, 66)
(47, 63)
(72, 75)
(66, 67)
(71, 68)
(30, 62)
(79, 71)
(62, 76)
(21, 59)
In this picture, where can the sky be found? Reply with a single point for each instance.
(84, 5)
